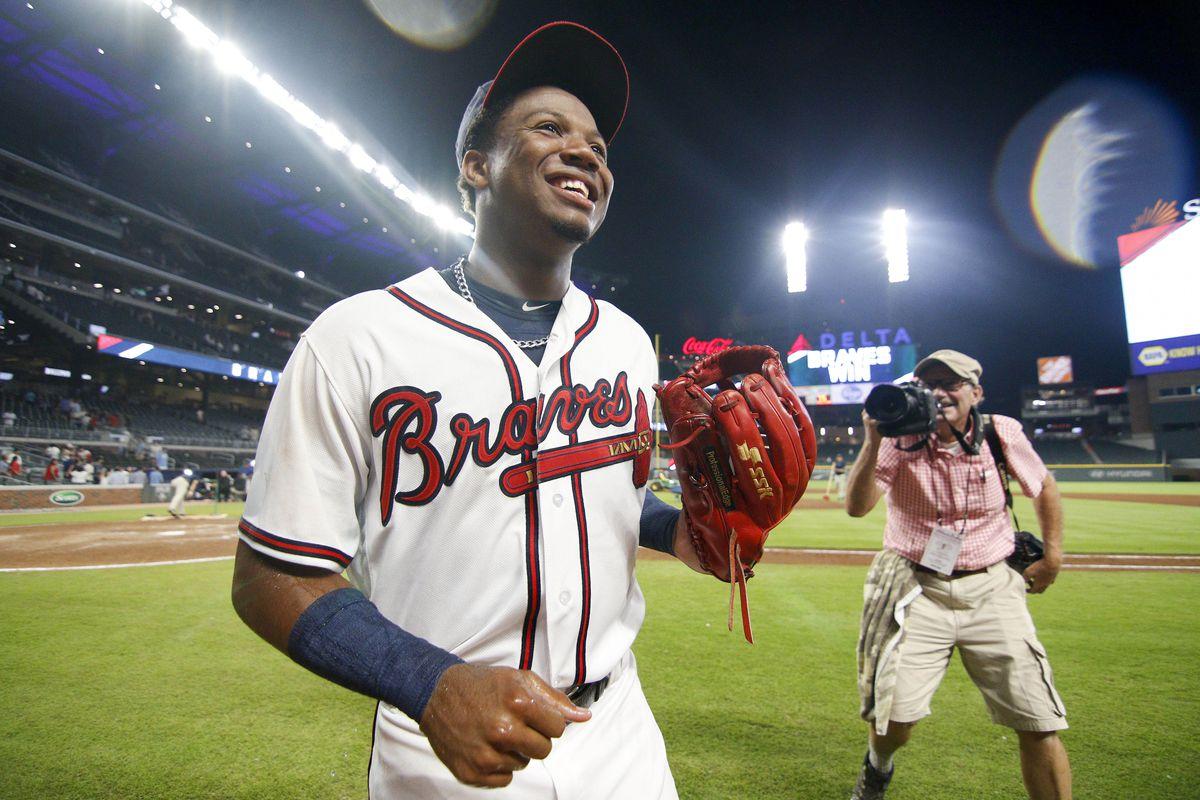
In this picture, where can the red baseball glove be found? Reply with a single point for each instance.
(744, 458)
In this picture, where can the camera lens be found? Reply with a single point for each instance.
(886, 403)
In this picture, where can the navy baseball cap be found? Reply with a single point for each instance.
(569, 56)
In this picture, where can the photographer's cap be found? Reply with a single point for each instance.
(960, 364)
(569, 56)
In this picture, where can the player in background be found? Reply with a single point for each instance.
(182, 485)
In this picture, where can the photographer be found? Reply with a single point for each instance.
(942, 580)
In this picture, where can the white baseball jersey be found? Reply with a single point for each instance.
(483, 502)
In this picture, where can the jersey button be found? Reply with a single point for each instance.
(558, 500)
(564, 597)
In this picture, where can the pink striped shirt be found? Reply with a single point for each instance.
(936, 485)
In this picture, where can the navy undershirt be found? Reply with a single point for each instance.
(520, 319)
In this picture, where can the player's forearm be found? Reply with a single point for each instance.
(343, 637)
(861, 492)
(658, 524)
(320, 621)
(270, 595)
(1048, 506)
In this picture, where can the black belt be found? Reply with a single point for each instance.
(958, 573)
(588, 693)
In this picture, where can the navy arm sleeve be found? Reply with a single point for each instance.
(657, 529)
(344, 638)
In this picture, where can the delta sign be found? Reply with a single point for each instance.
(844, 366)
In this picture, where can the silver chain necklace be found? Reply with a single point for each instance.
(460, 278)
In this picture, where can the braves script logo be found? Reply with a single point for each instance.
(407, 417)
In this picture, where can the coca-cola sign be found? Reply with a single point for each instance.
(705, 347)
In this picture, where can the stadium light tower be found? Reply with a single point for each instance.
(795, 237)
(895, 243)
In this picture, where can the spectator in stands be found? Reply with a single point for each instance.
(53, 452)
(51, 475)
(79, 475)
(154, 477)
(137, 477)
(9, 417)
(118, 477)
(14, 465)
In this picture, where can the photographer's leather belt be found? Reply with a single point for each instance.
(583, 696)
(958, 573)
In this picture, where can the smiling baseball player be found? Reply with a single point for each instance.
(472, 446)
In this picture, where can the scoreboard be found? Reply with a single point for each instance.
(844, 367)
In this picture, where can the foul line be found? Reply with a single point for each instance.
(1111, 560)
(117, 566)
(820, 552)
(1106, 567)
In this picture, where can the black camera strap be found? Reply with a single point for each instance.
(974, 423)
(993, 440)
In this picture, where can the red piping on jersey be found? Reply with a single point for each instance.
(533, 577)
(514, 377)
(533, 603)
(293, 547)
(585, 569)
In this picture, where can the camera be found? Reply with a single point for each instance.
(902, 409)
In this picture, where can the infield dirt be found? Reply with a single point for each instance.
(167, 539)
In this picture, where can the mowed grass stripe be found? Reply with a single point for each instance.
(193, 508)
(1092, 526)
(142, 683)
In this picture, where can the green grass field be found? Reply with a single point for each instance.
(120, 513)
(141, 683)
(1092, 526)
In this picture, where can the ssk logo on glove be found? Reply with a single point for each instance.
(752, 455)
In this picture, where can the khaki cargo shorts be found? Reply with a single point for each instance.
(986, 618)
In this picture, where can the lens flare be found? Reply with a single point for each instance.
(436, 24)
(1082, 165)
(1069, 181)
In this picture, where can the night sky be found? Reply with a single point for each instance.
(744, 116)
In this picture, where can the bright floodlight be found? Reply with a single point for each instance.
(895, 243)
(231, 61)
(795, 236)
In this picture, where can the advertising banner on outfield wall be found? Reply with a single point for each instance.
(1093, 474)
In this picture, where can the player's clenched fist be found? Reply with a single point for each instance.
(485, 723)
